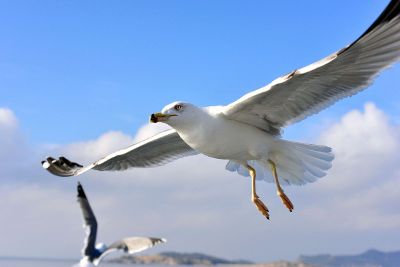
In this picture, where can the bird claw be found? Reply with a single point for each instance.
(285, 200)
(261, 206)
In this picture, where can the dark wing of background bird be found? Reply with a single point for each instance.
(131, 245)
(308, 90)
(154, 151)
(90, 224)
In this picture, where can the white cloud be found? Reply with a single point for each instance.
(88, 151)
(364, 143)
(13, 147)
(8, 130)
(34, 218)
(198, 206)
(362, 183)
(7, 119)
(149, 130)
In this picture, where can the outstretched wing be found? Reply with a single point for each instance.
(154, 151)
(308, 90)
(90, 223)
(131, 245)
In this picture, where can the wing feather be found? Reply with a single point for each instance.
(158, 150)
(306, 91)
(90, 223)
(131, 245)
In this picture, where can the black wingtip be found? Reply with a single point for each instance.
(61, 167)
(69, 163)
(391, 11)
(81, 192)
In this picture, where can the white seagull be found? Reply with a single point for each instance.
(247, 131)
(94, 253)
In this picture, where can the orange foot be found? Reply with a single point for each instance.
(285, 200)
(261, 206)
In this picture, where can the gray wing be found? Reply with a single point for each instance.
(131, 245)
(90, 223)
(154, 151)
(308, 90)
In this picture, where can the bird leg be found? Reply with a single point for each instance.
(254, 198)
(286, 201)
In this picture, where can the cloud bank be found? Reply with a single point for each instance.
(198, 206)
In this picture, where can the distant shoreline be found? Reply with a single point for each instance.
(369, 258)
(36, 259)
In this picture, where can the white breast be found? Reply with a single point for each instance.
(218, 137)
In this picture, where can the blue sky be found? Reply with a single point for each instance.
(72, 71)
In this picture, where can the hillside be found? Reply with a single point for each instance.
(370, 258)
(175, 258)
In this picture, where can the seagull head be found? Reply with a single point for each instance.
(175, 114)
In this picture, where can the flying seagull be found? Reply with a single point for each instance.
(247, 132)
(94, 253)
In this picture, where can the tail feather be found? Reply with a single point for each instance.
(319, 163)
(309, 147)
(297, 163)
(311, 161)
(314, 171)
(325, 155)
(287, 177)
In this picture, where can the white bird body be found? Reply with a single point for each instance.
(210, 132)
(216, 136)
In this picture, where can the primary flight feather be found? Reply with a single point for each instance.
(247, 131)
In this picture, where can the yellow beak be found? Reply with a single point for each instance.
(160, 117)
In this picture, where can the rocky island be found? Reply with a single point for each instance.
(175, 258)
(370, 258)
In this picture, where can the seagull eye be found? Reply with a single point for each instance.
(178, 107)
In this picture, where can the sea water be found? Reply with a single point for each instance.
(58, 263)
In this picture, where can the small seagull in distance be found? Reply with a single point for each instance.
(94, 253)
